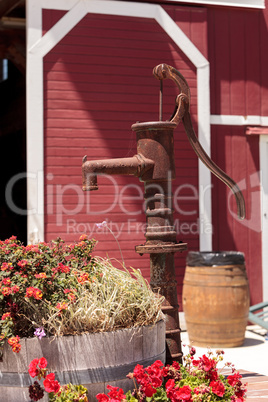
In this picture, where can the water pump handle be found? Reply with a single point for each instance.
(182, 113)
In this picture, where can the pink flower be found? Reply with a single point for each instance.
(101, 225)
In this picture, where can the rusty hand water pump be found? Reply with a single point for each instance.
(154, 165)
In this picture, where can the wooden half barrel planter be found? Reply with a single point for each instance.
(216, 298)
(93, 360)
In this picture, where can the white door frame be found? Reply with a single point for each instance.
(264, 211)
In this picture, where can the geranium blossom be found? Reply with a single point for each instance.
(234, 379)
(50, 384)
(217, 388)
(178, 383)
(36, 366)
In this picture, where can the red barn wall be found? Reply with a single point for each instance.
(238, 55)
(98, 82)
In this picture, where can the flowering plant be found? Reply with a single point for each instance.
(54, 289)
(57, 393)
(199, 380)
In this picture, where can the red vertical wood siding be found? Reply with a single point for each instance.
(238, 155)
(238, 50)
(98, 82)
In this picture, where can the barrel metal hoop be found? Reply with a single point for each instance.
(86, 376)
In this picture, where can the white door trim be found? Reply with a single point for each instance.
(38, 46)
(236, 120)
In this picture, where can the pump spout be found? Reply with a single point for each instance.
(137, 165)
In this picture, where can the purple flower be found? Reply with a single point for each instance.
(101, 225)
(40, 332)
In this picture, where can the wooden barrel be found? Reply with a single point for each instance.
(216, 298)
(93, 360)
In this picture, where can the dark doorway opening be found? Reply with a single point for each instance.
(13, 193)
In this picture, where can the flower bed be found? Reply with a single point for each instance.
(199, 380)
(61, 289)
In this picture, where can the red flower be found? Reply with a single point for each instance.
(62, 306)
(116, 393)
(6, 291)
(42, 363)
(15, 289)
(217, 388)
(138, 373)
(42, 275)
(33, 370)
(63, 268)
(16, 348)
(207, 364)
(6, 315)
(36, 365)
(22, 263)
(178, 394)
(50, 384)
(34, 292)
(6, 266)
(184, 393)
(240, 393)
(12, 341)
(102, 397)
(83, 278)
(234, 379)
(71, 297)
(148, 390)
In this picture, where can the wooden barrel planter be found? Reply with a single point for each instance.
(93, 360)
(216, 298)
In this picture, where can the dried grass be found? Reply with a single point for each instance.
(121, 299)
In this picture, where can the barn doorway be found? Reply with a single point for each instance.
(13, 202)
(13, 209)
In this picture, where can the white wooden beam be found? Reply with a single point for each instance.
(259, 4)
